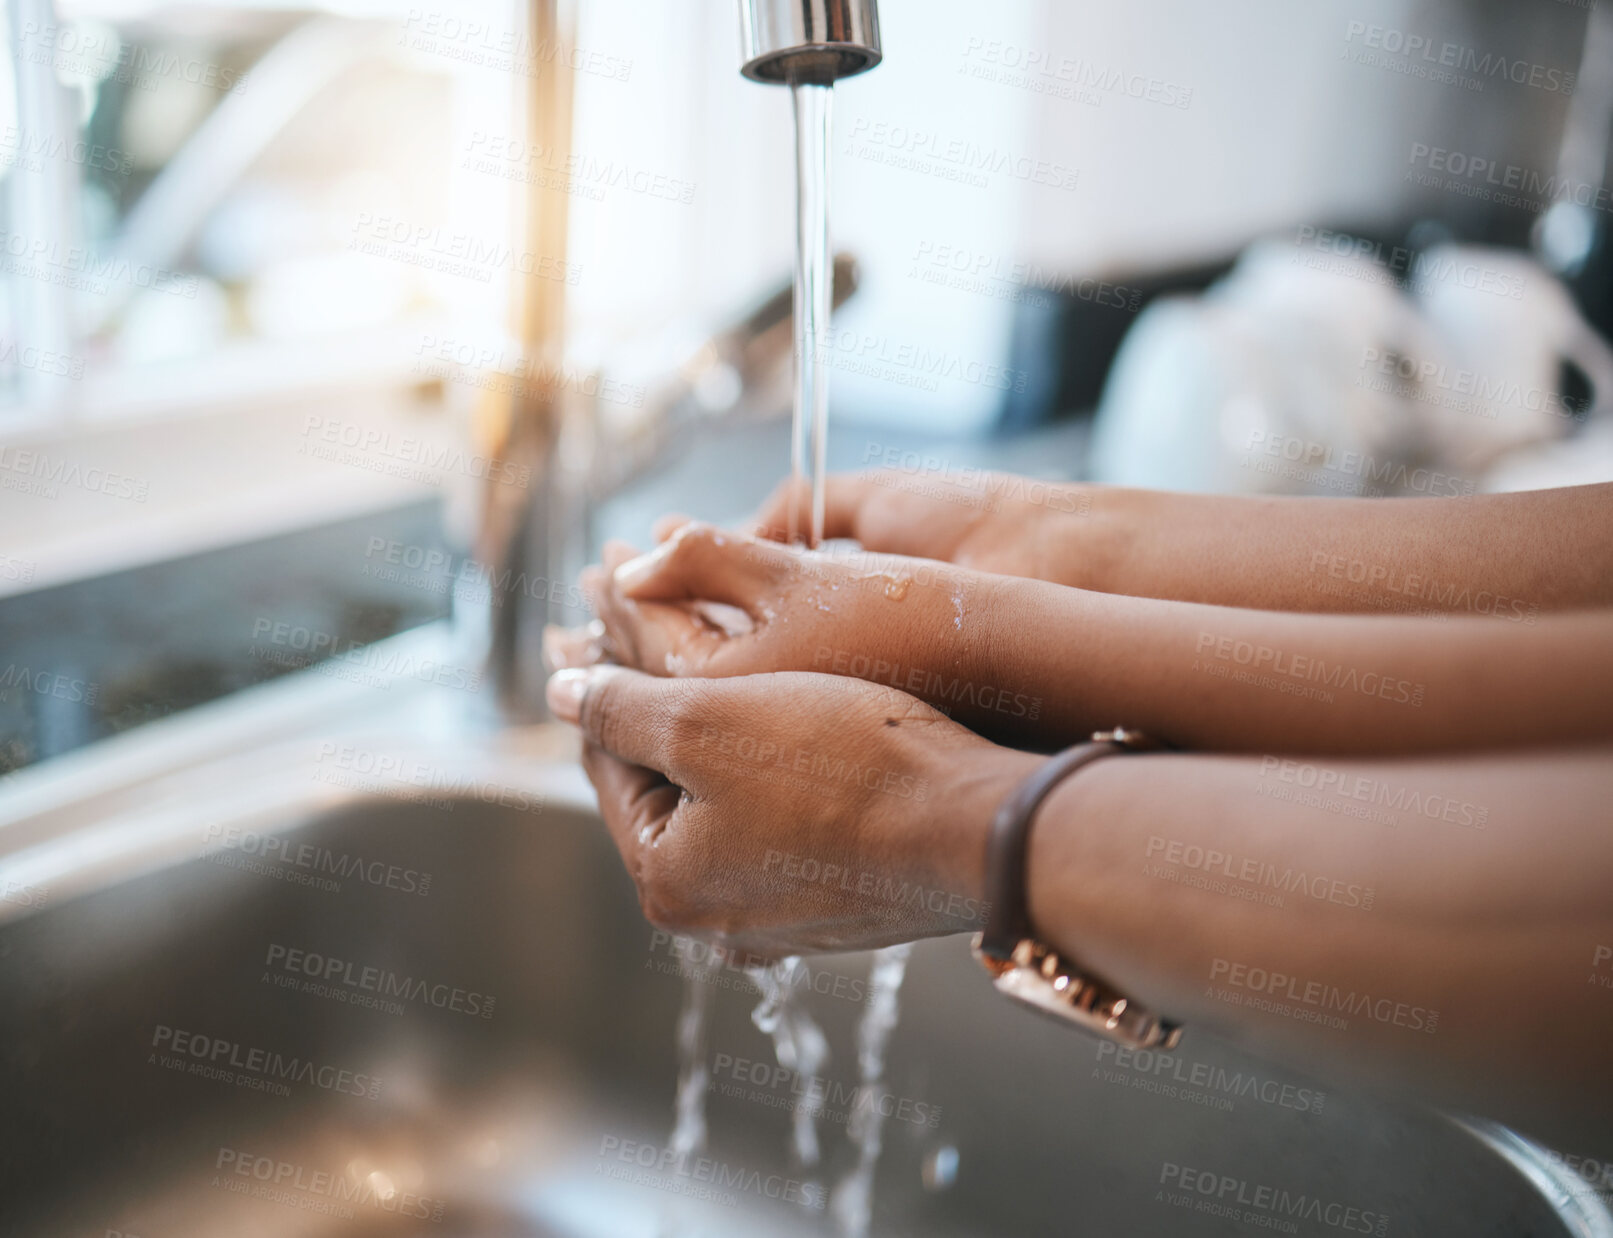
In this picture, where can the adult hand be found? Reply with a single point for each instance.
(789, 813)
(711, 603)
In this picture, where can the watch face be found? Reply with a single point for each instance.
(1037, 977)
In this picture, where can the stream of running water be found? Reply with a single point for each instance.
(798, 1042)
(689, 1127)
(814, 293)
(852, 1204)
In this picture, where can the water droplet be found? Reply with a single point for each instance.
(941, 1168)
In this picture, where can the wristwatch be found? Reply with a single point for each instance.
(1028, 970)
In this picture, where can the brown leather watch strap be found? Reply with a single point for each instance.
(1008, 921)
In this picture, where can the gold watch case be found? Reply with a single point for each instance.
(1042, 980)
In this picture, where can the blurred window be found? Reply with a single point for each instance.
(234, 196)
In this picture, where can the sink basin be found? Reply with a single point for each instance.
(360, 1006)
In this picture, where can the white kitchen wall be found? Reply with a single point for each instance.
(1280, 126)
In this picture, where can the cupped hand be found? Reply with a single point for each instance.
(789, 813)
(708, 602)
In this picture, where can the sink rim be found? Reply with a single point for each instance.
(141, 802)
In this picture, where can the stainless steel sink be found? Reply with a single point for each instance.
(432, 1007)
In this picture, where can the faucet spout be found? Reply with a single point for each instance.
(790, 42)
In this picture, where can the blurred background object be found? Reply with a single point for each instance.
(264, 267)
(335, 336)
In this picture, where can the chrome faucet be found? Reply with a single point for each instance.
(581, 458)
(785, 42)
(535, 537)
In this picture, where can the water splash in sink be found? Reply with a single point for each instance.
(689, 1130)
(852, 1203)
(798, 1042)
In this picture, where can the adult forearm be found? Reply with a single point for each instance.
(1210, 677)
(1505, 556)
(1431, 923)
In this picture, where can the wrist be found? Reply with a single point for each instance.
(971, 785)
(1072, 856)
(928, 635)
(1094, 535)
(1033, 646)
